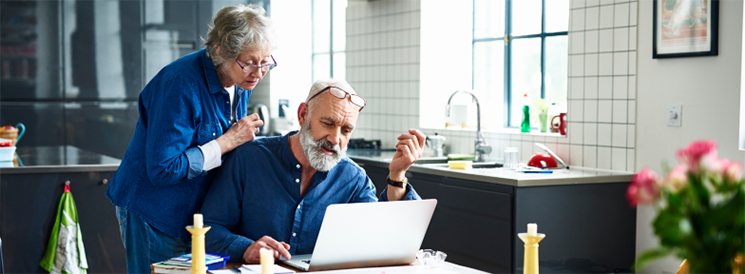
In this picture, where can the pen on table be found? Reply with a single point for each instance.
(236, 269)
(537, 171)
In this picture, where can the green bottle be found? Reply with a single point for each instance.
(525, 126)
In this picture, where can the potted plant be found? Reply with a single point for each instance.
(539, 112)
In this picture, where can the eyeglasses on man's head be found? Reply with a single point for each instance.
(341, 94)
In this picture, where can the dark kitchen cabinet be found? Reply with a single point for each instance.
(476, 223)
(28, 208)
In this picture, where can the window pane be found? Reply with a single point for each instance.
(488, 18)
(321, 68)
(557, 15)
(321, 25)
(488, 81)
(556, 69)
(526, 75)
(340, 25)
(340, 61)
(526, 17)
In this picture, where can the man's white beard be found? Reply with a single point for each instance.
(312, 148)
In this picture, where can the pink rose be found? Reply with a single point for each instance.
(691, 155)
(732, 171)
(644, 188)
(677, 179)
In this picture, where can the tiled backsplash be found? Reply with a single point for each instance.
(383, 66)
(602, 84)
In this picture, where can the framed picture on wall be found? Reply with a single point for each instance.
(685, 28)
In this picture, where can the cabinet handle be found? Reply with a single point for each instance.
(105, 181)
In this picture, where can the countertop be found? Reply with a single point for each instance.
(573, 175)
(42, 159)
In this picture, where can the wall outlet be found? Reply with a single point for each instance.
(674, 115)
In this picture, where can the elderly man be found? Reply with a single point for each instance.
(273, 192)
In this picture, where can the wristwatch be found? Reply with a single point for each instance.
(395, 183)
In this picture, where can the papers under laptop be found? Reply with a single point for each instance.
(368, 234)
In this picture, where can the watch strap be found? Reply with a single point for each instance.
(396, 183)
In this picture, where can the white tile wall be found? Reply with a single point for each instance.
(605, 112)
(384, 34)
(383, 66)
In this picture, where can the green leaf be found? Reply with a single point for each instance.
(649, 256)
(667, 226)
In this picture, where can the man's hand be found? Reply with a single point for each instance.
(408, 150)
(244, 130)
(252, 255)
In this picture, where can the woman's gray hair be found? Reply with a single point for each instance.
(236, 28)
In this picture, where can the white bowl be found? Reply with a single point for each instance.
(6, 153)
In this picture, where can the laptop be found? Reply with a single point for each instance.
(368, 234)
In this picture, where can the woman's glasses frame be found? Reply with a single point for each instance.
(263, 68)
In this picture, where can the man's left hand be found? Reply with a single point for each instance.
(408, 149)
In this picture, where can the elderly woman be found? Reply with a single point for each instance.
(191, 113)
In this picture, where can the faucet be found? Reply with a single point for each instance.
(481, 146)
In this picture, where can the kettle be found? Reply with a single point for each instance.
(436, 142)
(263, 112)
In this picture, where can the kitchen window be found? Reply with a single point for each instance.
(520, 47)
(329, 39)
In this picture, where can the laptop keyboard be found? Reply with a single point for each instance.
(305, 261)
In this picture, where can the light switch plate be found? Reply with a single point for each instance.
(674, 115)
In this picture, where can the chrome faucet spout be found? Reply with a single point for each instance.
(481, 146)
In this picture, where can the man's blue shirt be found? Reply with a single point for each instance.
(161, 177)
(256, 193)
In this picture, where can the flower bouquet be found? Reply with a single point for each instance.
(701, 210)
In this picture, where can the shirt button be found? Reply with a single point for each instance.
(293, 234)
(297, 180)
(230, 122)
(227, 102)
(213, 134)
(298, 207)
(297, 166)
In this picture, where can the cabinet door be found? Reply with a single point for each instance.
(28, 208)
(471, 224)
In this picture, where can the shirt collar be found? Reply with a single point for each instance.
(210, 72)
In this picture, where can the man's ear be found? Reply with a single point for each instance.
(302, 113)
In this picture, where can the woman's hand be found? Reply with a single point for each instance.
(252, 254)
(244, 130)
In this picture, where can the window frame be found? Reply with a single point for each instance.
(330, 50)
(508, 38)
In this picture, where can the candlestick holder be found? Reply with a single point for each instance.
(530, 257)
(198, 262)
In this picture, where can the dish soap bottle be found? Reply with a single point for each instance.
(525, 126)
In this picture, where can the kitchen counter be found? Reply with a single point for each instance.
(573, 175)
(576, 208)
(52, 159)
(29, 198)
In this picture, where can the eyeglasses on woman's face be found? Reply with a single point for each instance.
(251, 67)
(341, 94)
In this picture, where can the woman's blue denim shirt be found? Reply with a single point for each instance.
(161, 177)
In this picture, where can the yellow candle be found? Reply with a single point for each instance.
(198, 221)
(266, 257)
(532, 229)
